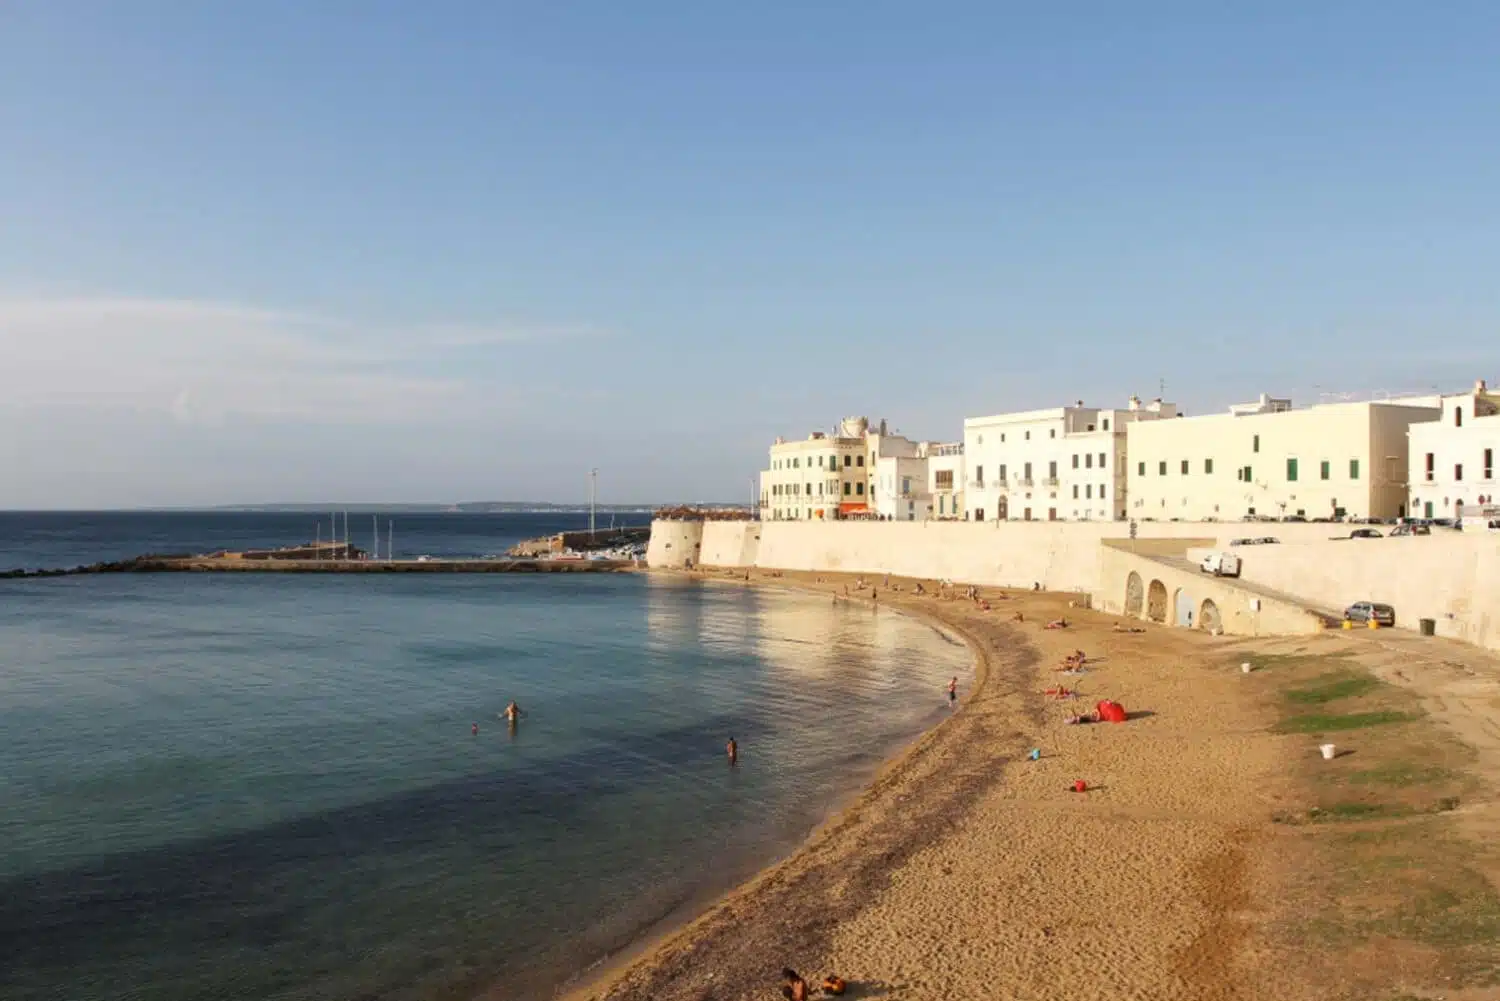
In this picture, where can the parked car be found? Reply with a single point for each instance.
(1364, 611)
(1267, 540)
(1294, 517)
(1221, 564)
(1365, 533)
(1410, 530)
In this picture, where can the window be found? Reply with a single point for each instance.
(1249, 476)
(859, 488)
(1002, 473)
(1161, 468)
(1101, 491)
(1255, 444)
(1088, 461)
(905, 485)
(1458, 417)
(1353, 469)
(1002, 441)
(847, 486)
(1106, 423)
(1140, 469)
(1075, 462)
(1088, 491)
(1458, 471)
(979, 476)
(1291, 470)
(1052, 432)
(859, 460)
(796, 463)
(1429, 467)
(847, 460)
(1027, 475)
(1052, 470)
(1489, 463)
(944, 479)
(1101, 460)
(1184, 467)
(1323, 468)
(1208, 465)
(1075, 491)
(1028, 435)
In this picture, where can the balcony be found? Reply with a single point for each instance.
(1050, 481)
(1024, 481)
(977, 484)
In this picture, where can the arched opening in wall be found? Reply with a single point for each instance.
(1183, 608)
(1002, 509)
(1135, 594)
(1156, 602)
(1208, 616)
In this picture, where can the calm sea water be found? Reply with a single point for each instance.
(246, 786)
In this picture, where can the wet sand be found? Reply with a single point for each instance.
(968, 870)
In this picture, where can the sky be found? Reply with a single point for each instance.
(374, 250)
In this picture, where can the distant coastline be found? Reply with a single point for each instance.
(463, 507)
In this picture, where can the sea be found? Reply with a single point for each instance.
(257, 786)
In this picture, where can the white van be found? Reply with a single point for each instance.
(1221, 564)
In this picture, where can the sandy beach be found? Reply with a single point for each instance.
(1192, 867)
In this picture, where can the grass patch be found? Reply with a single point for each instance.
(1331, 687)
(1357, 811)
(1401, 775)
(1338, 722)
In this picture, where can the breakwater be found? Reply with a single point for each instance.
(209, 564)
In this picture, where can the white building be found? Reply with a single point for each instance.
(1451, 460)
(1064, 463)
(1266, 459)
(945, 481)
(853, 472)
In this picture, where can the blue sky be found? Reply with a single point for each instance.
(392, 251)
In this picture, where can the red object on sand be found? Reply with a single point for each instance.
(1080, 786)
(1110, 712)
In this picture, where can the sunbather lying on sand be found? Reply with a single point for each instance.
(1057, 624)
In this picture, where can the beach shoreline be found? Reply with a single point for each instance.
(837, 853)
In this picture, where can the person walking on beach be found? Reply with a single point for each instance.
(733, 750)
(953, 691)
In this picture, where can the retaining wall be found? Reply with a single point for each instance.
(1453, 579)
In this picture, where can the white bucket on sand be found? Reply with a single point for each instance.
(1327, 751)
(1245, 667)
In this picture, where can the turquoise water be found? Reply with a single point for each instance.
(240, 786)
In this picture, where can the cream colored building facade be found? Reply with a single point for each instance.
(1452, 459)
(828, 476)
(1059, 464)
(1268, 459)
(945, 481)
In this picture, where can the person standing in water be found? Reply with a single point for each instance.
(512, 713)
(733, 750)
(953, 691)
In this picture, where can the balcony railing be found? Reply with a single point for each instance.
(1049, 481)
(1024, 481)
(977, 484)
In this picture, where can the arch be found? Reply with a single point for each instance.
(1208, 617)
(1135, 594)
(1183, 609)
(1156, 602)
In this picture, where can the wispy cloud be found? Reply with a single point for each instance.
(204, 362)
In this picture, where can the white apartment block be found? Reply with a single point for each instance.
(945, 481)
(1268, 459)
(1452, 459)
(853, 472)
(1064, 463)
